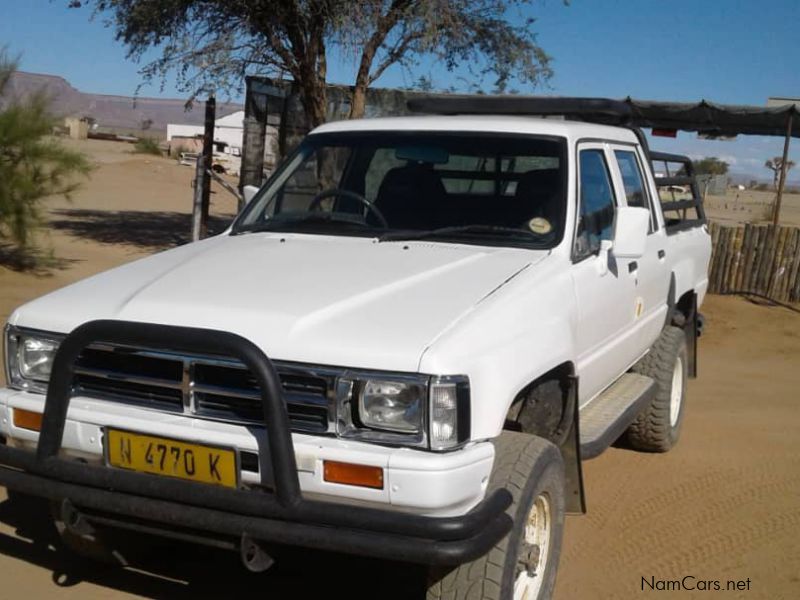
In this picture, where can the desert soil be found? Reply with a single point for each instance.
(752, 206)
(723, 505)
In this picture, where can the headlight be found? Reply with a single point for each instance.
(29, 358)
(35, 358)
(404, 409)
(392, 405)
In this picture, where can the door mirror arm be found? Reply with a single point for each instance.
(603, 256)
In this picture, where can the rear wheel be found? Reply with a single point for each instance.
(522, 565)
(658, 426)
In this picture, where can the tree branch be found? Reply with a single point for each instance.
(395, 54)
(383, 26)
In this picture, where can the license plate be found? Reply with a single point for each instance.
(171, 458)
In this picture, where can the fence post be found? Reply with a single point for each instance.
(197, 204)
(202, 181)
(777, 215)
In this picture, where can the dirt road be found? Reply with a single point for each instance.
(724, 505)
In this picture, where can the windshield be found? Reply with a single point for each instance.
(495, 189)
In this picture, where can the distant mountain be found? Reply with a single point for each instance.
(110, 112)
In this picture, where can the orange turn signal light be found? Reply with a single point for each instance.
(351, 474)
(27, 419)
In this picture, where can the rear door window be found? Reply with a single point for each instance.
(633, 181)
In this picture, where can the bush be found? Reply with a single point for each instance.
(147, 146)
(32, 164)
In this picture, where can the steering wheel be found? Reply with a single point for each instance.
(315, 203)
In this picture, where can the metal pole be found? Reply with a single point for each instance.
(208, 158)
(226, 185)
(254, 135)
(776, 215)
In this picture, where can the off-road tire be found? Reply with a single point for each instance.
(653, 429)
(527, 467)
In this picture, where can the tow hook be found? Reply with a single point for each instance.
(73, 520)
(529, 558)
(254, 557)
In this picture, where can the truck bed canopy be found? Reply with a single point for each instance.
(704, 116)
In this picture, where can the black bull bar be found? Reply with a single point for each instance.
(282, 516)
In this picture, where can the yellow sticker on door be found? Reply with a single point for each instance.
(639, 310)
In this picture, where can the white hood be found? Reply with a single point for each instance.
(317, 299)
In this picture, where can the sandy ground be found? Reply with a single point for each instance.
(724, 505)
(750, 206)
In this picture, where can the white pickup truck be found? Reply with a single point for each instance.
(402, 348)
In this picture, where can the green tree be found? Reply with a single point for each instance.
(774, 165)
(32, 164)
(211, 44)
(710, 166)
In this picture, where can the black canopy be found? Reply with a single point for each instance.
(705, 117)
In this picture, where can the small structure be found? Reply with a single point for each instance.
(78, 127)
(228, 134)
(228, 129)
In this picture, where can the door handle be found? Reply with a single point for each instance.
(632, 266)
(662, 253)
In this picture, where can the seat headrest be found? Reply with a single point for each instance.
(539, 181)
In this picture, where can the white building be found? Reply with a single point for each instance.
(228, 129)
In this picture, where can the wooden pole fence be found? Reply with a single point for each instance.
(759, 259)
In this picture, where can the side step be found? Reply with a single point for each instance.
(608, 416)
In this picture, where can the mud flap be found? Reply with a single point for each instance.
(574, 499)
(692, 330)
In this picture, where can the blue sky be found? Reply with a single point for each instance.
(728, 51)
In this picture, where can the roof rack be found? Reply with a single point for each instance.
(705, 117)
(603, 109)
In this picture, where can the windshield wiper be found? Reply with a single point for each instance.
(301, 219)
(446, 231)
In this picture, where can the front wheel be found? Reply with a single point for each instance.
(522, 565)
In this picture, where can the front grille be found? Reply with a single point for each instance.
(126, 375)
(215, 388)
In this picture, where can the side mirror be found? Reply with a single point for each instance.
(248, 192)
(631, 225)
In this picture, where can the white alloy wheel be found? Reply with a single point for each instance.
(534, 550)
(676, 394)
(524, 564)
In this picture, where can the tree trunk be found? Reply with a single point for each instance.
(314, 97)
(358, 102)
(385, 24)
